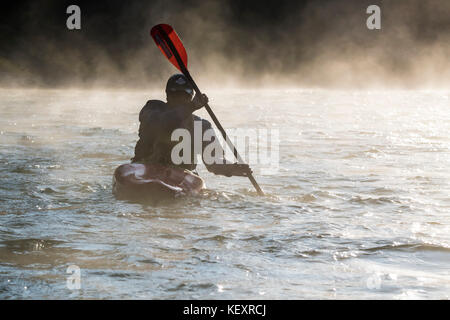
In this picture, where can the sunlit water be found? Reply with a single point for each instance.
(359, 208)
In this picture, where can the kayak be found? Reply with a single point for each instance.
(154, 181)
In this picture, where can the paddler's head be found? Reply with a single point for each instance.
(179, 90)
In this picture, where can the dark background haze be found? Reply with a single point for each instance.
(229, 43)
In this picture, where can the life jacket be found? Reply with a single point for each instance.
(155, 144)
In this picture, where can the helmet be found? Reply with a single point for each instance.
(178, 82)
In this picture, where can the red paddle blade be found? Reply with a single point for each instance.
(157, 34)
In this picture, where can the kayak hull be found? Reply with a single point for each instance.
(153, 182)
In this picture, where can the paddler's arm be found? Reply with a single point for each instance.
(213, 156)
(146, 135)
(230, 169)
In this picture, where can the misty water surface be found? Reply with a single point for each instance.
(359, 207)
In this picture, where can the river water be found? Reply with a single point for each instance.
(359, 207)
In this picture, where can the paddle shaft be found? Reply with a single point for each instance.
(209, 110)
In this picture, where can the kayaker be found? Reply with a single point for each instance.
(159, 119)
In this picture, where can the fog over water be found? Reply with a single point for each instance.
(358, 208)
(251, 43)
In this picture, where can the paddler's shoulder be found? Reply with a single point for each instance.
(154, 104)
(151, 105)
(205, 123)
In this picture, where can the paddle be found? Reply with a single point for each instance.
(171, 46)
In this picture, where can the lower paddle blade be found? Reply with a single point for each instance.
(158, 33)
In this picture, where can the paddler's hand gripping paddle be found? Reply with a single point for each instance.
(171, 46)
